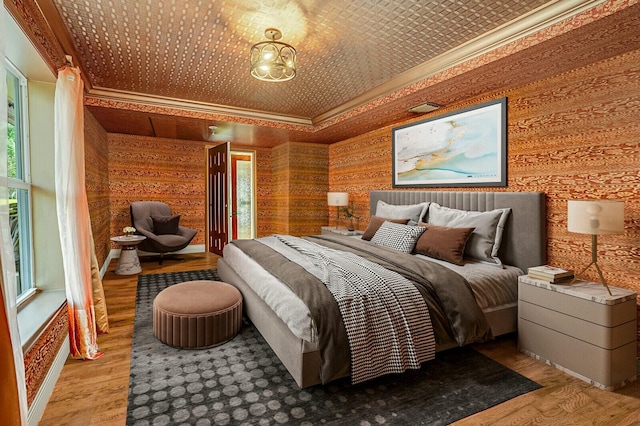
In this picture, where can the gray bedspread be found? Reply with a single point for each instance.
(454, 312)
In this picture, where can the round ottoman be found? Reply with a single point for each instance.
(197, 314)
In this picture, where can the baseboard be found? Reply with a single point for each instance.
(44, 393)
(113, 254)
(196, 248)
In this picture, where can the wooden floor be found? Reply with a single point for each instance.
(95, 392)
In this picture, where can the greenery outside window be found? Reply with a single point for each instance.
(19, 186)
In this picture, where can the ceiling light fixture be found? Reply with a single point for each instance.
(273, 60)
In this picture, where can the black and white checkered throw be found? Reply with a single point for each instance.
(386, 319)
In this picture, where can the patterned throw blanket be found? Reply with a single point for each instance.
(386, 319)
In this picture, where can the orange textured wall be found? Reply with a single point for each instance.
(300, 176)
(96, 161)
(575, 135)
(155, 169)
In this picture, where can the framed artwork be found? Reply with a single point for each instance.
(462, 148)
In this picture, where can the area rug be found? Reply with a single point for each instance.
(244, 382)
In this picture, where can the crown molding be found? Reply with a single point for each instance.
(538, 19)
(100, 96)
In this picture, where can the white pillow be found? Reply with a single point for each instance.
(398, 237)
(413, 212)
(484, 242)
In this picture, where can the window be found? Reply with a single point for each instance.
(19, 187)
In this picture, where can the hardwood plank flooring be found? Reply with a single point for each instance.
(95, 392)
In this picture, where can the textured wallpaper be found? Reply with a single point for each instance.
(97, 183)
(301, 175)
(575, 135)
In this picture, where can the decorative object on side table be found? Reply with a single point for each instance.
(337, 199)
(551, 274)
(349, 215)
(595, 217)
(128, 231)
(580, 329)
(128, 261)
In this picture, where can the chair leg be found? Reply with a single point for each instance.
(161, 258)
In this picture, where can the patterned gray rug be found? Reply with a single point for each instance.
(243, 382)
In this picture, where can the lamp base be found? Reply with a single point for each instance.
(594, 261)
(603, 282)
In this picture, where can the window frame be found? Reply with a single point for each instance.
(22, 184)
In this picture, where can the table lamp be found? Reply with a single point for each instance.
(338, 199)
(595, 218)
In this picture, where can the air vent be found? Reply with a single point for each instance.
(426, 107)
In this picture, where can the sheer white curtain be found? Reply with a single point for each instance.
(13, 391)
(78, 254)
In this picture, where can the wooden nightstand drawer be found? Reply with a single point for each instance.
(608, 315)
(595, 334)
(606, 369)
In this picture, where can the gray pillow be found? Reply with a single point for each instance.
(398, 237)
(413, 212)
(484, 242)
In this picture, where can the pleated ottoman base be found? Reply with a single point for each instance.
(197, 314)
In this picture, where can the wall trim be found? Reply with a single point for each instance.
(44, 393)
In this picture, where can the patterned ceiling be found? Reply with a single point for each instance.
(199, 49)
(194, 55)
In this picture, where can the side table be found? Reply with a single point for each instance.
(128, 262)
(579, 329)
(342, 231)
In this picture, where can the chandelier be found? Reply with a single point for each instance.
(273, 60)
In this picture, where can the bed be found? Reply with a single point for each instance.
(523, 244)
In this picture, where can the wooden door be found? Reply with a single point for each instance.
(218, 197)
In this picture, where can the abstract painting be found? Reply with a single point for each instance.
(461, 148)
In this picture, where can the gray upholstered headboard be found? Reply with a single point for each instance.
(524, 243)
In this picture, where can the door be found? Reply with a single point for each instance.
(218, 197)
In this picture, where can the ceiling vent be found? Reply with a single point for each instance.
(426, 107)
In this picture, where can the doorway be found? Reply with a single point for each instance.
(231, 202)
(242, 195)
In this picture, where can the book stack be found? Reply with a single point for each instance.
(550, 274)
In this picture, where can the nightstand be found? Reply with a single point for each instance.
(579, 329)
(341, 231)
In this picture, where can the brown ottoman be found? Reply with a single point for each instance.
(197, 314)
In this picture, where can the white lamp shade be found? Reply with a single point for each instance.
(595, 217)
(338, 198)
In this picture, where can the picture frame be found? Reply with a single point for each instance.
(464, 148)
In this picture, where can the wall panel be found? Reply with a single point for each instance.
(96, 160)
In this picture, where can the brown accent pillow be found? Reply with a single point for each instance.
(163, 225)
(443, 242)
(375, 222)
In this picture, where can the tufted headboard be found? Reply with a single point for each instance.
(524, 242)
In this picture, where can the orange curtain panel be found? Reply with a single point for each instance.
(78, 254)
(13, 390)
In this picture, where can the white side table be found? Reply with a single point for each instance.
(579, 329)
(128, 262)
(339, 230)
